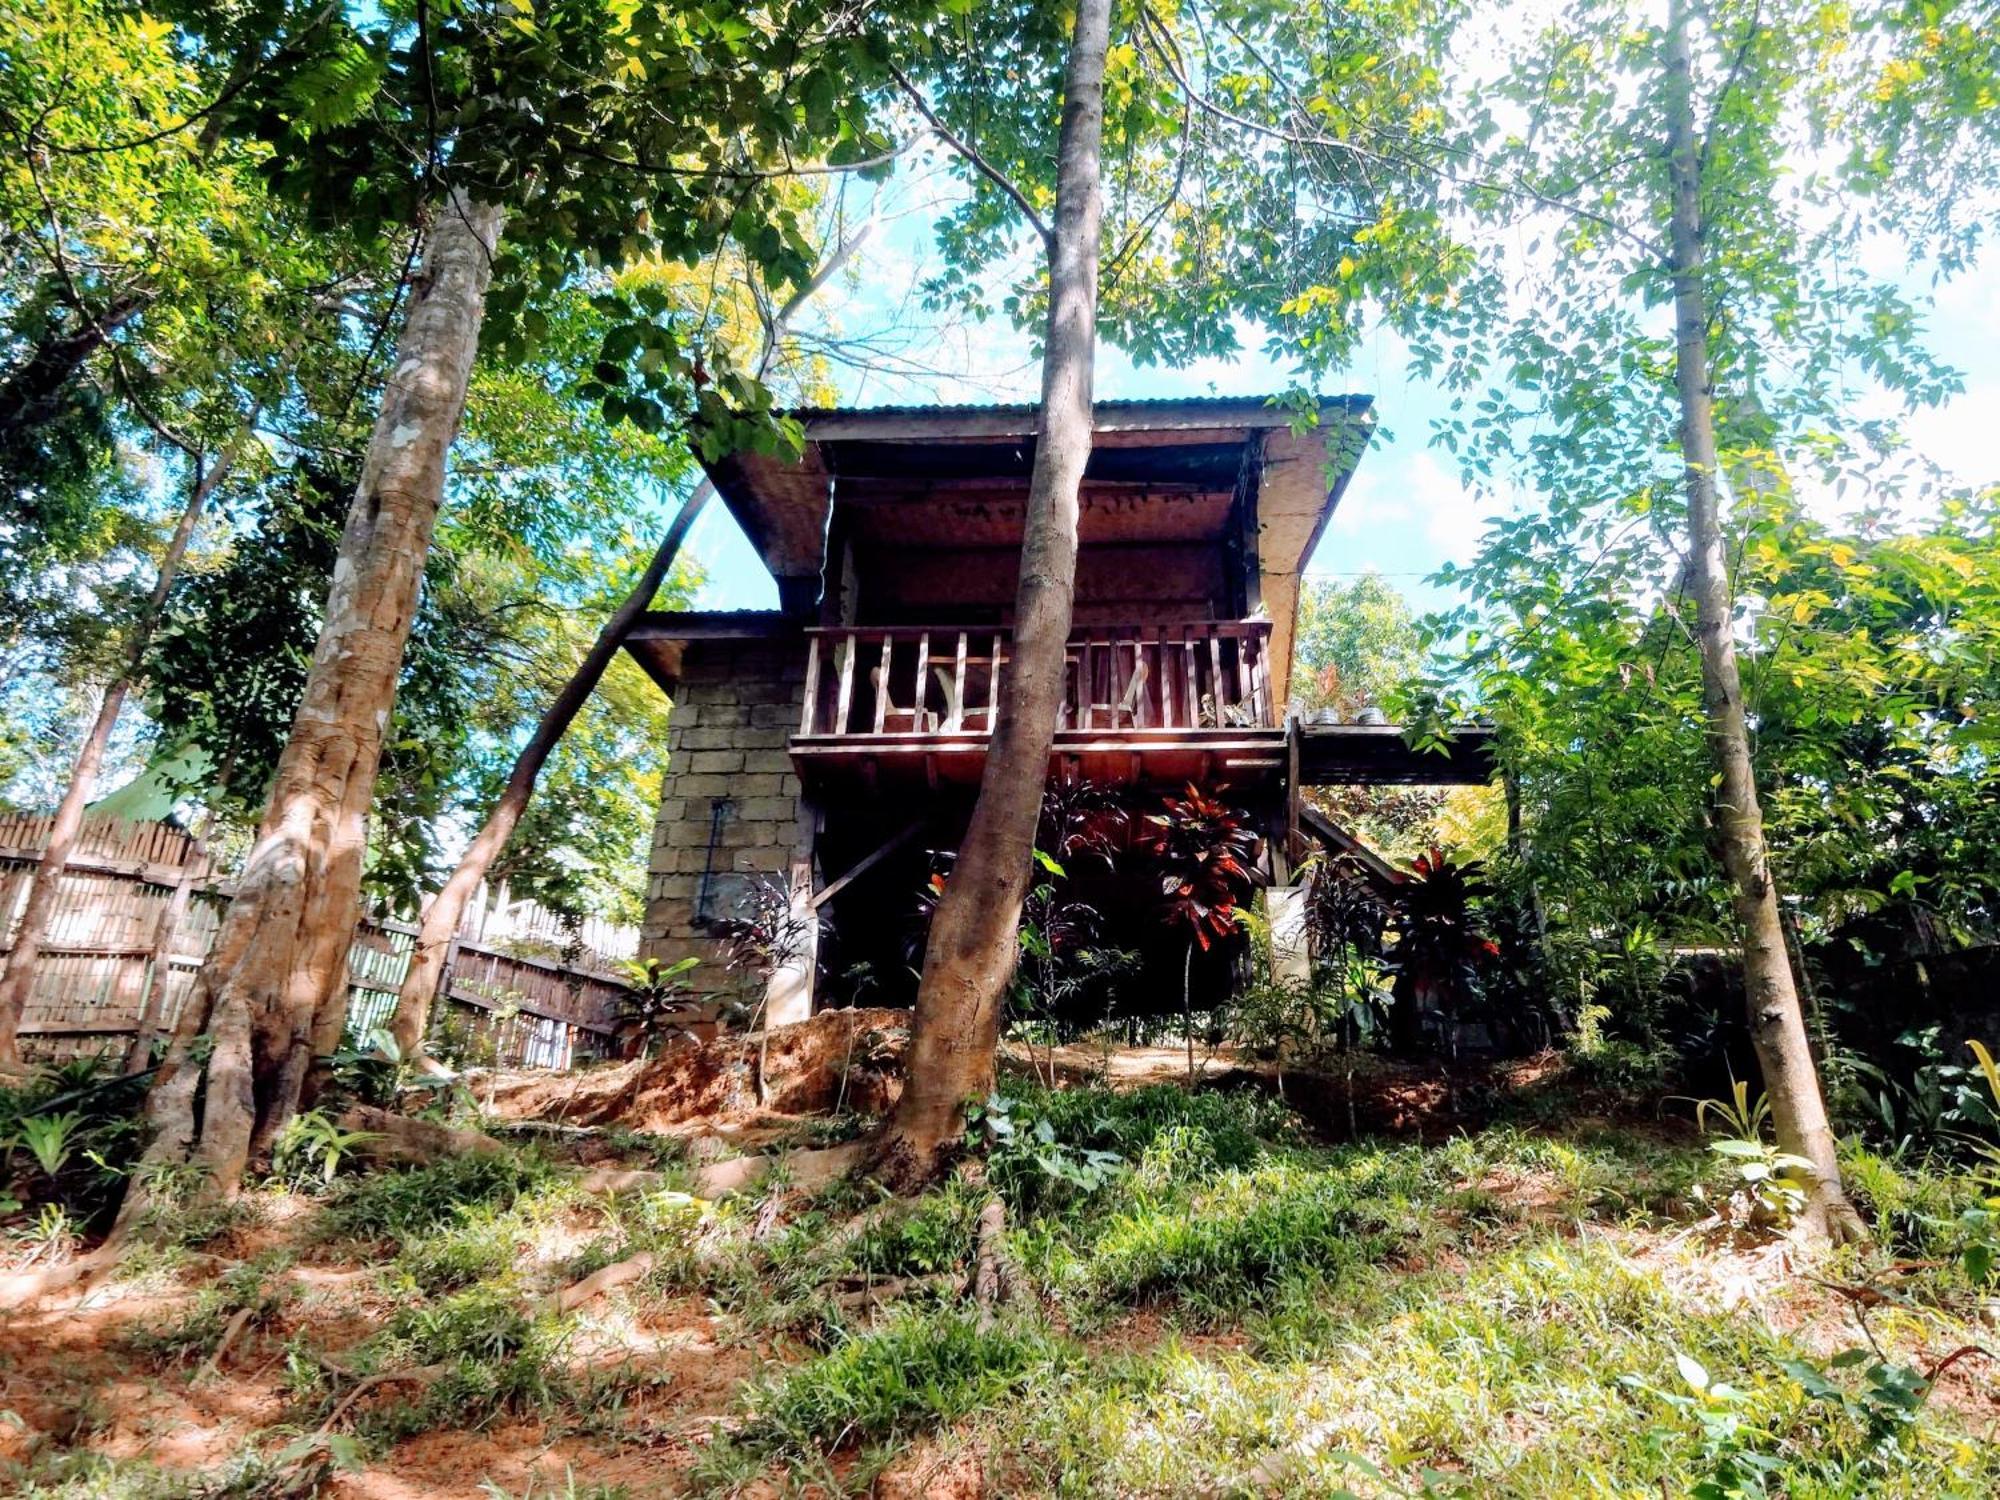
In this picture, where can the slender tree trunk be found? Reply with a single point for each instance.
(18, 978)
(1187, 1005)
(1777, 1025)
(441, 920)
(973, 943)
(272, 994)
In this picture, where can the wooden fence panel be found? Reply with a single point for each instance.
(504, 999)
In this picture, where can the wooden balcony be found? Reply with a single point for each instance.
(900, 704)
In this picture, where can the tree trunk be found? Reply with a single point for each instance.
(420, 985)
(33, 394)
(272, 994)
(973, 943)
(18, 978)
(441, 920)
(1777, 1025)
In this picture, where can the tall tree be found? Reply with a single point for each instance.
(1777, 1022)
(590, 131)
(971, 951)
(1208, 226)
(442, 916)
(1653, 165)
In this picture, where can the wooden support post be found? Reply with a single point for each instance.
(1188, 639)
(957, 705)
(1084, 692)
(866, 863)
(919, 696)
(843, 705)
(882, 681)
(812, 685)
(1118, 679)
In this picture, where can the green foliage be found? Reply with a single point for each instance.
(401, 1205)
(259, 1286)
(1356, 644)
(1774, 1181)
(312, 1145)
(70, 1134)
(914, 1373)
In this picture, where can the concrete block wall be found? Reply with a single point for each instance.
(738, 705)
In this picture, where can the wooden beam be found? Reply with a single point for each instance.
(1381, 873)
(863, 865)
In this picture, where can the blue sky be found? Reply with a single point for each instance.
(1406, 513)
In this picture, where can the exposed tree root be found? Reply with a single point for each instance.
(399, 1140)
(598, 1282)
(24, 1287)
(610, 1181)
(808, 1169)
(864, 1293)
(993, 1274)
(1274, 1469)
(213, 1364)
(368, 1383)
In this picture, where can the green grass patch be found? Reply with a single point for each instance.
(399, 1206)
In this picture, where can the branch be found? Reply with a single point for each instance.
(979, 163)
(1516, 189)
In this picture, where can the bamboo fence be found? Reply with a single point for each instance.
(139, 906)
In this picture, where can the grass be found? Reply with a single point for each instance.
(1200, 1288)
(1503, 1314)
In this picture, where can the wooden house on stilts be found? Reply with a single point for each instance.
(826, 744)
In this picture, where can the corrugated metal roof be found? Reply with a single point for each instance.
(1353, 403)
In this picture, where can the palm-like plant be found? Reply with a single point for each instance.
(1204, 849)
(1440, 946)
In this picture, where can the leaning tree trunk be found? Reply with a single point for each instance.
(1777, 1024)
(441, 919)
(973, 943)
(18, 978)
(272, 994)
(420, 985)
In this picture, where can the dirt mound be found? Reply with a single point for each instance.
(838, 1060)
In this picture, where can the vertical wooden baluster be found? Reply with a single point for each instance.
(1117, 676)
(1215, 672)
(993, 688)
(1083, 690)
(812, 685)
(923, 669)
(957, 704)
(882, 682)
(1191, 670)
(848, 645)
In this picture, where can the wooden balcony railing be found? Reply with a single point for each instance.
(868, 680)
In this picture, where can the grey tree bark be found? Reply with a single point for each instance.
(972, 947)
(1777, 1022)
(272, 995)
(441, 918)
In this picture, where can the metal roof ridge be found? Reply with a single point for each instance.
(1355, 402)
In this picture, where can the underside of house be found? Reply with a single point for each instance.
(830, 749)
